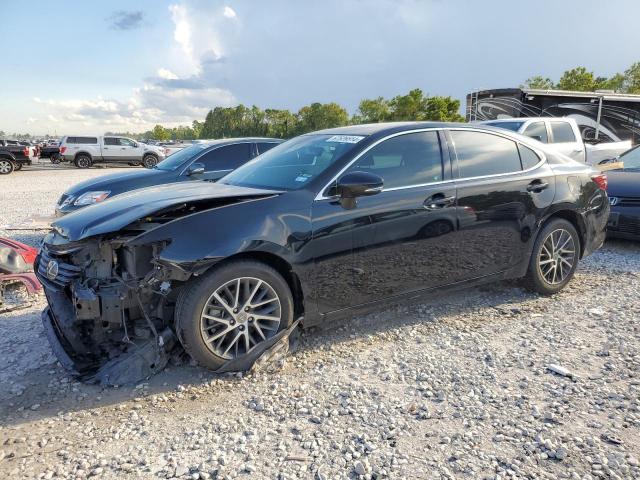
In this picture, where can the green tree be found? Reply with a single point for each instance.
(372, 111)
(321, 115)
(280, 123)
(196, 126)
(412, 106)
(443, 109)
(631, 82)
(577, 79)
(160, 133)
(542, 83)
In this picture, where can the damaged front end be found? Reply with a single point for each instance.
(110, 306)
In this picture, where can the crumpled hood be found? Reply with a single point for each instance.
(118, 212)
(623, 183)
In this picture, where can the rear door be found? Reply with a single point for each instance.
(110, 148)
(503, 189)
(124, 150)
(566, 141)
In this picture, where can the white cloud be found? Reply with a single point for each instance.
(31, 120)
(229, 12)
(167, 74)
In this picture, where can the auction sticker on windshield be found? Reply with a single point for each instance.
(345, 138)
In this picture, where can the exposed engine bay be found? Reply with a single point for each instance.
(111, 301)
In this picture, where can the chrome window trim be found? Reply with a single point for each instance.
(540, 154)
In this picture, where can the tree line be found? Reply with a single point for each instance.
(583, 80)
(243, 121)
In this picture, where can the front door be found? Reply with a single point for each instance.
(402, 236)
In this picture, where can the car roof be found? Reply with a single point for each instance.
(227, 141)
(385, 127)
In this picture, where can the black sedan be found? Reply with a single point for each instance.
(624, 196)
(319, 227)
(206, 160)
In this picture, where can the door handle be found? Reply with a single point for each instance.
(537, 186)
(438, 201)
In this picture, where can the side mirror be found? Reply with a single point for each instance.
(195, 169)
(135, 145)
(359, 184)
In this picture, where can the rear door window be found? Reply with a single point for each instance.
(537, 130)
(111, 141)
(82, 140)
(562, 132)
(228, 157)
(264, 146)
(480, 154)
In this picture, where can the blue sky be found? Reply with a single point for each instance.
(88, 67)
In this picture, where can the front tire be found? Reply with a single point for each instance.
(149, 161)
(555, 257)
(225, 313)
(83, 161)
(6, 166)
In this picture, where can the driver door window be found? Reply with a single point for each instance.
(405, 160)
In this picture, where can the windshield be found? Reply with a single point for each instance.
(181, 156)
(514, 126)
(293, 164)
(631, 158)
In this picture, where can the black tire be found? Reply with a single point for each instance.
(149, 161)
(6, 166)
(18, 167)
(83, 161)
(541, 275)
(55, 159)
(197, 294)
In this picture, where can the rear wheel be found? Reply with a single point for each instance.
(83, 161)
(555, 257)
(6, 166)
(224, 314)
(149, 161)
(18, 167)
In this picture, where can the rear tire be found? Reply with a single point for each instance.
(18, 167)
(6, 166)
(83, 161)
(149, 161)
(554, 259)
(209, 328)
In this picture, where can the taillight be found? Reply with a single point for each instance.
(26, 151)
(63, 149)
(601, 180)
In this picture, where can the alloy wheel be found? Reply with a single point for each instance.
(5, 167)
(238, 315)
(557, 256)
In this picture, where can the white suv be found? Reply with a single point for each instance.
(84, 151)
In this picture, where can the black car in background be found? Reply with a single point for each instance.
(624, 196)
(205, 160)
(12, 156)
(319, 227)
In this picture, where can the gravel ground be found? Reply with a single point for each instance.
(457, 387)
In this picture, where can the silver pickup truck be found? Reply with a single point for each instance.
(84, 151)
(563, 135)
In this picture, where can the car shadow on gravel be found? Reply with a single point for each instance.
(50, 391)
